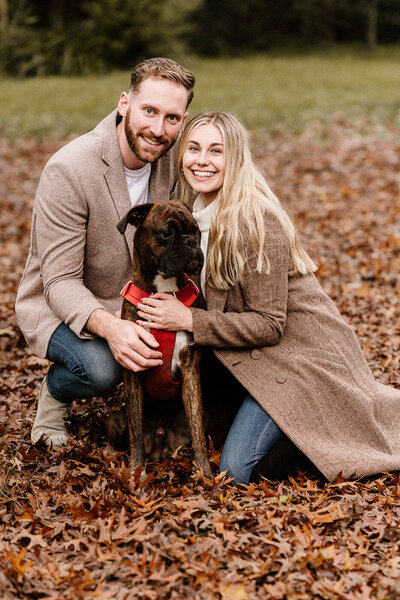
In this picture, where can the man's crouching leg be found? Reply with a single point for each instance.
(50, 419)
(83, 368)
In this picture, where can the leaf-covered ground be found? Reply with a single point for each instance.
(77, 524)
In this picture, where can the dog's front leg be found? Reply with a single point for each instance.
(134, 412)
(192, 402)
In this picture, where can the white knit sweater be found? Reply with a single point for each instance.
(202, 214)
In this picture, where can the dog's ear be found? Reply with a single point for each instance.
(135, 216)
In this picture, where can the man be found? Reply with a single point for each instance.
(78, 262)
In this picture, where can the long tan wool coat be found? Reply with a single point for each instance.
(78, 261)
(283, 338)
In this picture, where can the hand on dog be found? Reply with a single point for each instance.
(163, 311)
(132, 346)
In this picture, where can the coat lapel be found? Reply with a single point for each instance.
(114, 173)
(164, 176)
(159, 193)
(116, 181)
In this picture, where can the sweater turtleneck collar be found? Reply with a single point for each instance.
(202, 213)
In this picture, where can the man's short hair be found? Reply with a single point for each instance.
(162, 67)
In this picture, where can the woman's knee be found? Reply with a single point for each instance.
(235, 465)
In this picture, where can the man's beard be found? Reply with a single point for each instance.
(134, 144)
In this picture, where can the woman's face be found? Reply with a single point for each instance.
(203, 161)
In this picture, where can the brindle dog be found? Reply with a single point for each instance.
(164, 250)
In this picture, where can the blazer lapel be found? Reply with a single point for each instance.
(159, 192)
(164, 177)
(116, 182)
(114, 173)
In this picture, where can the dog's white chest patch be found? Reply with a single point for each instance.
(169, 285)
(180, 342)
(165, 285)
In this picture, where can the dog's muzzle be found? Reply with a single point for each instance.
(187, 258)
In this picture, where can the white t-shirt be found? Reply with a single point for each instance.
(138, 184)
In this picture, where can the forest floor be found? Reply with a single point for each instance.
(76, 524)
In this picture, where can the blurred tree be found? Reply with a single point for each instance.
(80, 36)
(73, 36)
(234, 26)
(372, 23)
(3, 14)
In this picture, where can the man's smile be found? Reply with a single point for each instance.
(152, 141)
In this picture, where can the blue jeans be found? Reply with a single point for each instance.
(251, 437)
(82, 368)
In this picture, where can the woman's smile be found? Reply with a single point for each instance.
(203, 161)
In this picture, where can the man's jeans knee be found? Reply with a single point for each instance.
(82, 368)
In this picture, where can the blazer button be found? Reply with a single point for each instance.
(255, 354)
(281, 379)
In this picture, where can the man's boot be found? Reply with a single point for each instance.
(49, 420)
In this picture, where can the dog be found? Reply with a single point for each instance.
(165, 253)
(165, 428)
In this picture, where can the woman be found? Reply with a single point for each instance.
(270, 323)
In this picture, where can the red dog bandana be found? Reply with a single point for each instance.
(157, 381)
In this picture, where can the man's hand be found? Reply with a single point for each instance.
(132, 346)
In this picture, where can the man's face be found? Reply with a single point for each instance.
(155, 116)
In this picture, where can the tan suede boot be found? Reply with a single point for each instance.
(49, 420)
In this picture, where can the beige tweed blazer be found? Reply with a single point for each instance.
(78, 261)
(283, 338)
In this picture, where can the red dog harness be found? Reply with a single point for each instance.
(157, 381)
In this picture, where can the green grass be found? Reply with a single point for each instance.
(267, 91)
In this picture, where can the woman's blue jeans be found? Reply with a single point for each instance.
(251, 437)
(82, 368)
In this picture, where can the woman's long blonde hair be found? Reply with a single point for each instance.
(240, 207)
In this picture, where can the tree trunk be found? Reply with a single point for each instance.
(3, 14)
(372, 23)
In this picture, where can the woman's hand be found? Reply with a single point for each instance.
(164, 311)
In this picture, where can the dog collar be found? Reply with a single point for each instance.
(157, 381)
(187, 295)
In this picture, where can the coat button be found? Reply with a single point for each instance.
(281, 379)
(256, 354)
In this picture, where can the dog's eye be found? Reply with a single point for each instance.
(166, 233)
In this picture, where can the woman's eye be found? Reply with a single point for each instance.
(148, 111)
(193, 148)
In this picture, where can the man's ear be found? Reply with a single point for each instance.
(135, 216)
(123, 104)
(185, 116)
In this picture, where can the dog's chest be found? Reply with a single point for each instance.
(169, 285)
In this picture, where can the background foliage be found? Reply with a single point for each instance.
(74, 37)
(268, 91)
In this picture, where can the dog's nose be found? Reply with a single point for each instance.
(190, 241)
